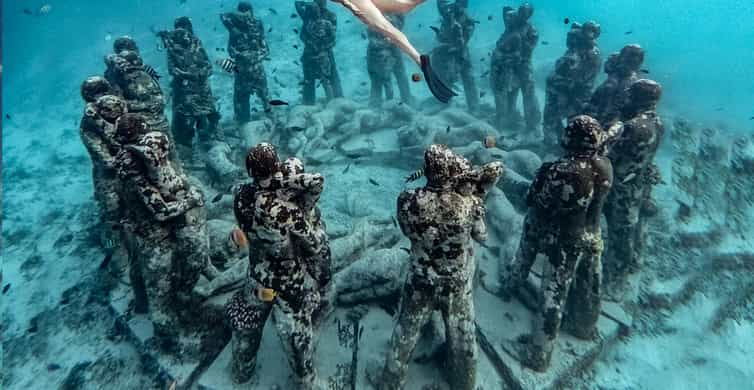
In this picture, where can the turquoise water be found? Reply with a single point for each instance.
(700, 51)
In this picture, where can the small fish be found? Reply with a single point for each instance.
(481, 94)
(395, 221)
(629, 32)
(238, 238)
(151, 72)
(295, 30)
(28, 11)
(420, 25)
(447, 130)
(416, 77)
(373, 182)
(489, 17)
(645, 71)
(347, 168)
(628, 178)
(228, 65)
(106, 260)
(363, 83)
(6, 288)
(486, 72)
(274, 70)
(53, 367)
(406, 250)
(363, 36)
(294, 16)
(295, 47)
(269, 30)
(545, 43)
(489, 141)
(45, 9)
(415, 176)
(7, 116)
(217, 197)
(435, 29)
(272, 11)
(751, 119)
(33, 328)
(276, 102)
(566, 21)
(348, 21)
(719, 108)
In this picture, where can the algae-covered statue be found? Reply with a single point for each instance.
(441, 220)
(511, 70)
(164, 227)
(194, 110)
(384, 61)
(562, 226)
(632, 154)
(569, 86)
(248, 48)
(318, 60)
(275, 212)
(97, 131)
(452, 57)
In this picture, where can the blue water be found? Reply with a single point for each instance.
(700, 51)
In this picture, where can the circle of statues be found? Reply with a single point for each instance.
(151, 205)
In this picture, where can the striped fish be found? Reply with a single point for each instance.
(228, 65)
(152, 73)
(415, 176)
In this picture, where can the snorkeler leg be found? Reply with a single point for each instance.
(436, 86)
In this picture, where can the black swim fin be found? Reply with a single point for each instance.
(436, 86)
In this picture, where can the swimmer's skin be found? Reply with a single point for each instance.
(370, 12)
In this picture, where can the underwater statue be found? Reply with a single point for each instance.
(318, 61)
(632, 154)
(569, 86)
(194, 108)
(562, 226)
(113, 61)
(97, 131)
(319, 258)
(622, 70)
(164, 227)
(248, 48)
(441, 220)
(452, 58)
(275, 213)
(371, 13)
(511, 71)
(384, 61)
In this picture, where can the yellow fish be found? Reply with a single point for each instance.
(266, 294)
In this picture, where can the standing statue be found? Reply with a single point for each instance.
(632, 154)
(562, 226)
(194, 108)
(511, 70)
(622, 71)
(569, 86)
(384, 61)
(164, 227)
(441, 219)
(285, 239)
(452, 58)
(318, 60)
(248, 48)
(97, 131)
